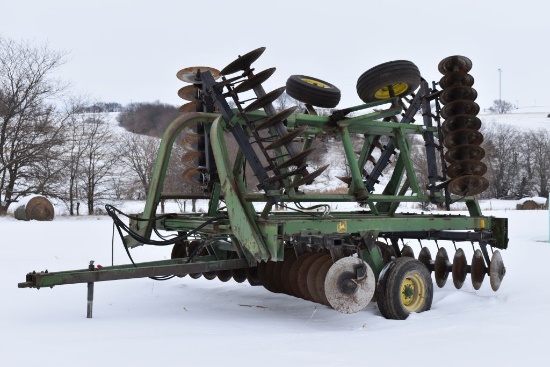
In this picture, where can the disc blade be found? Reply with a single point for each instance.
(497, 270)
(425, 257)
(460, 107)
(254, 81)
(463, 137)
(312, 274)
(466, 151)
(306, 180)
(189, 107)
(252, 276)
(468, 185)
(287, 138)
(459, 268)
(290, 258)
(294, 271)
(456, 93)
(192, 176)
(303, 274)
(243, 62)
(477, 269)
(407, 251)
(192, 74)
(297, 160)
(466, 167)
(455, 64)
(320, 282)
(223, 275)
(264, 100)
(210, 275)
(189, 93)
(344, 291)
(441, 267)
(278, 117)
(460, 122)
(456, 79)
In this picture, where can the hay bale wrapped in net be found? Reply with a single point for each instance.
(37, 208)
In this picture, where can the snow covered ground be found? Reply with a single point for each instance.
(189, 322)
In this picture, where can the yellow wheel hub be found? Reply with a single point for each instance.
(316, 82)
(398, 89)
(412, 292)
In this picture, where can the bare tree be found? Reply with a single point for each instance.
(140, 153)
(30, 130)
(540, 147)
(500, 106)
(98, 162)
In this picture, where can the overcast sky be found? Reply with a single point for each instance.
(129, 51)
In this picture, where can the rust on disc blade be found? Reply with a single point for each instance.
(243, 62)
(477, 269)
(466, 167)
(456, 93)
(192, 74)
(460, 122)
(455, 64)
(460, 107)
(269, 282)
(407, 251)
(320, 282)
(287, 138)
(441, 267)
(344, 291)
(276, 275)
(252, 276)
(468, 185)
(209, 275)
(312, 275)
(278, 117)
(459, 269)
(294, 271)
(497, 270)
(465, 151)
(463, 137)
(253, 81)
(264, 100)
(224, 275)
(192, 176)
(189, 93)
(189, 107)
(303, 274)
(192, 157)
(290, 258)
(386, 250)
(425, 257)
(456, 79)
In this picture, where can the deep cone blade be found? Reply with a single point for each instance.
(459, 269)
(189, 107)
(294, 271)
(478, 269)
(425, 257)
(407, 251)
(189, 93)
(463, 137)
(298, 159)
(461, 107)
(466, 167)
(320, 282)
(460, 122)
(441, 267)
(312, 275)
(290, 258)
(465, 151)
(303, 274)
(497, 270)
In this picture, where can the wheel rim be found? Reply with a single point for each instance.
(316, 82)
(412, 292)
(398, 89)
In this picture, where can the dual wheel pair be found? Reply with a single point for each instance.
(391, 79)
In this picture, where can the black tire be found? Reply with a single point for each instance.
(313, 91)
(402, 75)
(398, 278)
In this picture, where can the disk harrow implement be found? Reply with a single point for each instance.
(277, 233)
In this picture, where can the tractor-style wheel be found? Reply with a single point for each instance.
(401, 76)
(313, 91)
(404, 286)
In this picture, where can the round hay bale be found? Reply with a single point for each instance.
(37, 208)
(530, 205)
